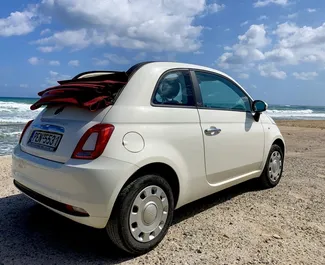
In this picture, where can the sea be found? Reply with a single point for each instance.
(15, 112)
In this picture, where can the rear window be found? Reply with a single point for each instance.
(174, 89)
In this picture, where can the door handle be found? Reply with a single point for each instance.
(212, 131)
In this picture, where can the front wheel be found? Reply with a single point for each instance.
(272, 172)
(142, 215)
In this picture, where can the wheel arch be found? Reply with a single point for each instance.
(162, 169)
(281, 144)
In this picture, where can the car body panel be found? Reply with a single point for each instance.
(237, 129)
(175, 140)
(91, 185)
(272, 133)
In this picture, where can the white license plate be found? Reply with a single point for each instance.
(44, 140)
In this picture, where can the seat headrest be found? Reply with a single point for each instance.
(169, 89)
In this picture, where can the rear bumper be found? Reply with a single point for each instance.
(90, 185)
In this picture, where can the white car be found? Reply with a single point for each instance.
(174, 133)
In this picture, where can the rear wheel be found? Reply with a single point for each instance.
(272, 172)
(142, 215)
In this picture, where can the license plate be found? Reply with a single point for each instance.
(45, 140)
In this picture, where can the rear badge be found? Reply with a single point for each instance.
(58, 111)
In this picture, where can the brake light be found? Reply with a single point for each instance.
(25, 129)
(101, 134)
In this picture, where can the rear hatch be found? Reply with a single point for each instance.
(62, 128)
(57, 130)
(61, 131)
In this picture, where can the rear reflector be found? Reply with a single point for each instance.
(98, 134)
(74, 209)
(24, 130)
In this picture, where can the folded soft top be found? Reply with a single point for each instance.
(91, 90)
(85, 92)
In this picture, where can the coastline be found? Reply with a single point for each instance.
(284, 126)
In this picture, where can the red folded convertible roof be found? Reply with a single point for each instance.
(92, 90)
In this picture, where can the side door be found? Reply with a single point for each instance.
(233, 140)
(174, 131)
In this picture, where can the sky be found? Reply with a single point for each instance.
(274, 48)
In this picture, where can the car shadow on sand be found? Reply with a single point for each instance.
(32, 234)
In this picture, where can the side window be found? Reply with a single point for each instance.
(175, 88)
(220, 93)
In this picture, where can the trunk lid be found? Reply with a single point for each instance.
(66, 125)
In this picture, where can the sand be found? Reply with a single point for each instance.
(241, 225)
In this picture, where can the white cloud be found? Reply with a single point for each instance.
(302, 44)
(244, 23)
(311, 10)
(157, 25)
(116, 58)
(35, 60)
(214, 8)
(19, 23)
(53, 77)
(75, 39)
(255, 36)
(54, 63)
(148, 25)
(47, 49)
(23, 85)
(45, 31)
(262, 3)
(74, 63)
(293, 15)
(292, 45)
(269, 70)
(263, 17)
(281, 55)
(243, 76)
(100, 62)
(305, 75)
(248, 49)
(198, 52)
(227, 29)
(53, 74)
(285, 29)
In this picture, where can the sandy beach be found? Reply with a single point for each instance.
(241, 225)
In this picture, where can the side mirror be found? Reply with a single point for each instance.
(258, 107)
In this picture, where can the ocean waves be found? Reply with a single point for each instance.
(16, 113)
(296, 114)
(13, 117)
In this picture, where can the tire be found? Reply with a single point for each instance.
(134, 213)
(271, 177)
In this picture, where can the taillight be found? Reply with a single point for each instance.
(24, 130)
(99, 134)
